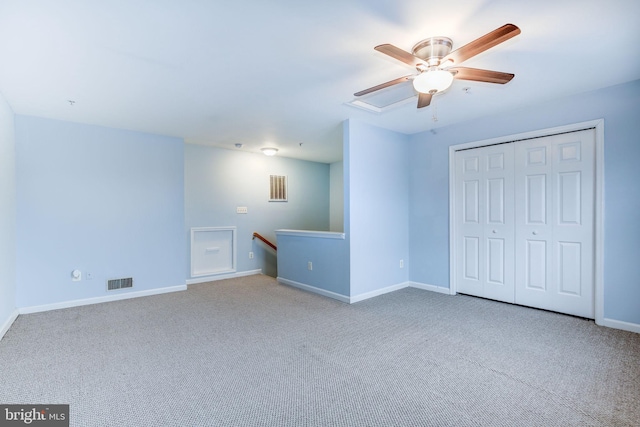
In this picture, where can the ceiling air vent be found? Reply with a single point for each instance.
(114, 284)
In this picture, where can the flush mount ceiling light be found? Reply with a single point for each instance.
(432, 81)
(269, 151)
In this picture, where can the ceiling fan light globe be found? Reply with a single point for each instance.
(433, 81)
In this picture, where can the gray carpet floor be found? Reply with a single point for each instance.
(251, 352)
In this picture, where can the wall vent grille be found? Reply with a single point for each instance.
(277, 188)
(114, 284)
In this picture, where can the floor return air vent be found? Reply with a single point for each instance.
(114, 284)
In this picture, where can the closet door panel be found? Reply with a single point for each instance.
(469, 256)
(496, 163)
(554, 187)
(484, 214)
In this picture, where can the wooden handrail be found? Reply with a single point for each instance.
(264, 240)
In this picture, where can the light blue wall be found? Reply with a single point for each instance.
(7, 213)
(329, 257)
(620, 108)
(105, 201)
(377, 216)
(118, 203)
(218, 180)
(336, 173)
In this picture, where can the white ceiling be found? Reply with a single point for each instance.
(279, 73)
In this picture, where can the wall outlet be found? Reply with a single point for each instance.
(309, 266)
(88, 276)
(250, 255)
(242, 210)
(401, 263)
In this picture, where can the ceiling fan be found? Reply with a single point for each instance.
(437, 65)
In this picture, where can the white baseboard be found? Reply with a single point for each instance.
(7, 324)
(366, 295)
(97, 300)
(205, 279)
(610, 323)
(432, 288)
(618, 324)
(397, 287)
(377, 292)
(309, 288)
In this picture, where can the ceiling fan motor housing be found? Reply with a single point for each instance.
(433, 49)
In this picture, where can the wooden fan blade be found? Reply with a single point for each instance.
(485, 42)
(399, 54)
(424, 99)
(383, 85)
(478, 75)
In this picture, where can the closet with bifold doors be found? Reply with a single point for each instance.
(524, 222)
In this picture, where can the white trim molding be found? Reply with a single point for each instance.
(598, 125)
(309, 233)
(366, 295)
(599, 225)
(223, 276)
(7, 324)
(98, 300)
(618, 324)
(377, 292)
(313, 289)
(431, 288)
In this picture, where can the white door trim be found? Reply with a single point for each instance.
(598, 209)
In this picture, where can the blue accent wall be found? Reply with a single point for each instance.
(219, 180)
(377, 214)
(336, 192)
(105, 201)
(7, 213)
(329, 257)
(429, 186)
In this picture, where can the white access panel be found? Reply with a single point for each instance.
(555, 223)
(213, 250)
(484, 210)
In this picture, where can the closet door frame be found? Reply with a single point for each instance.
(598, 125)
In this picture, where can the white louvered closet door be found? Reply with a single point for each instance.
(484, 214)
(555, 222)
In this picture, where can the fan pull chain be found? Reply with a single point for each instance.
(434, 108)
